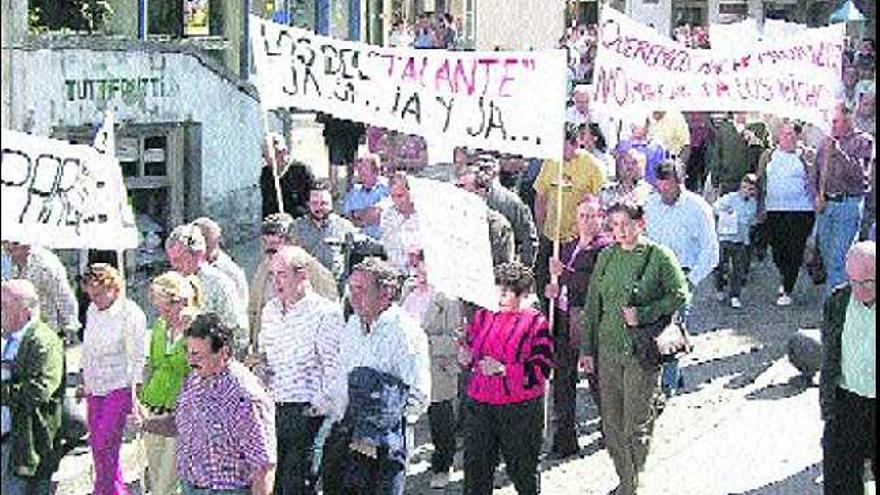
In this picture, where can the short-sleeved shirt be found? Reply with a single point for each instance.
(581, 175)
(361, 197)
(225, 429)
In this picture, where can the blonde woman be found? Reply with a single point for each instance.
(112, 358)
(176, 299)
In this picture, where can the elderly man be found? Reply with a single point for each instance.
(322, 232)
(685, 223)
(382, 337)
(580, 113)
(400, 224)
(470, 178)
(58, 305)
(849, 372)
(219, 259)
(639, 139)
(843, 163)
(277, 232)
(224, 420)
(187, 253)
(362, 201)
(32, 393)
(295, 179)
(300, 340)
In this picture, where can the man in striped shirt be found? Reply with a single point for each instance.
(299, 345)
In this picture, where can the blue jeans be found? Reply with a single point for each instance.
(671, 377)
(838, 227)
(13, 484)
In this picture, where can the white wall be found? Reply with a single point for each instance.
(519, 24)
(656, 13)
(52, 89)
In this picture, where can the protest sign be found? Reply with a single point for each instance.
(454, 235)
(638, 70)
(63, 196)
(504, 101)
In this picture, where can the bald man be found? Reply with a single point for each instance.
(32, 392)
(848, 379)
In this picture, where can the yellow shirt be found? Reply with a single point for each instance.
(582, 174)
(671, 132)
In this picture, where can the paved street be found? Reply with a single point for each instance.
(743, 425)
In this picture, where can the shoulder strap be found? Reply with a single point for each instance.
(647, 260)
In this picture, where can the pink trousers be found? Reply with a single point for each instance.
(106, 417)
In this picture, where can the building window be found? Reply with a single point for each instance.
(689, 12)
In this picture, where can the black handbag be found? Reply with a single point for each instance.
(661, 339)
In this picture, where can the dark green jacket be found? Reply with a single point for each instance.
(729, 157)
(662, 291)
(35, 396)
(832, 330)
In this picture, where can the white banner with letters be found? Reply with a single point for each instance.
(63, 196)
(638, 70)
(454, 235)
(512, 102)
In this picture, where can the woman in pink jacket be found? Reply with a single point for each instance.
(509, 355)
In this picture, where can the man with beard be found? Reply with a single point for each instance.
(322, 232)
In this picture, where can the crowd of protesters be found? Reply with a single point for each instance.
(312, 372)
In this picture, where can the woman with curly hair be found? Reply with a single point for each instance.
(509, 355)
(112, 361)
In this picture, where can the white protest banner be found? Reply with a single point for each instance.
(638, 70)
(63, 196)
(454, 235)
(512, 102)
(735, 35)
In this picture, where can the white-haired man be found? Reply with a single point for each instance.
(186, 250)
(218, 258)
(848, 381)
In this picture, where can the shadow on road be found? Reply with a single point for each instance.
(800, 483)
(795, 385)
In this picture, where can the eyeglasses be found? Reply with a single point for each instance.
(868, 283)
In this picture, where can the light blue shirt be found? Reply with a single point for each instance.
(745, 210)
(858, 355)
(6, 261)
(687, 227)
(360, 197)
(787, 183)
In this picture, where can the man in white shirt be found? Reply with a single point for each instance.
(187, 253)
(219, 259)
(380, 335)
(579, 113)
(300, 341)
(685, 223)
(399, 224)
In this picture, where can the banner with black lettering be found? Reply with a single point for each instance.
(637, 70)
(512, 102)
(63, 196)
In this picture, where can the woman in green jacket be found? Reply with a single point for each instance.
(176, 299)
(635, 282)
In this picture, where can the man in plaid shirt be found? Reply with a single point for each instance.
(224, 420)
